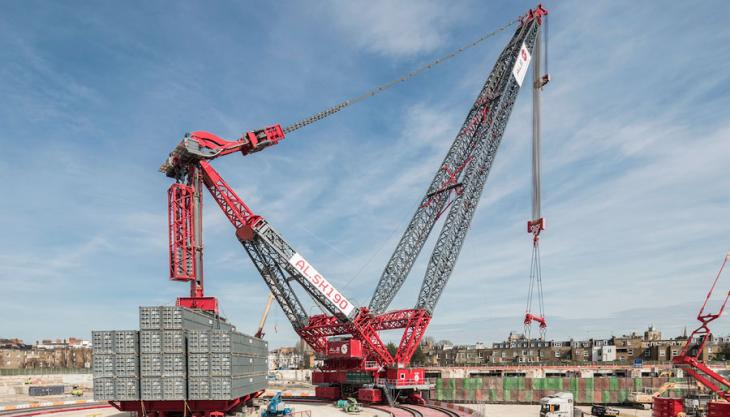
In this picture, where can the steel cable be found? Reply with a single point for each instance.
(377, 90)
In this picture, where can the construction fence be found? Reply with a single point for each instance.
(521, 390)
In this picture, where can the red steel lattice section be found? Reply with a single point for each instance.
(690, 358)
(414, 321)
(181, 232)
(230, 203)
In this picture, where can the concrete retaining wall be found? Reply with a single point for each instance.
(11, 386)
(300, 375)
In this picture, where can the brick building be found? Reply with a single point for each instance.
(517, 349)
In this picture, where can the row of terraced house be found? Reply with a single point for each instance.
(518, 349)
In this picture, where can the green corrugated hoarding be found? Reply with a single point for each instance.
(609, 390)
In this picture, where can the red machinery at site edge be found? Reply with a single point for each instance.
(690, 358)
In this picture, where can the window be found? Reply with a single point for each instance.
(557, 354)
(630, 352)
(585, 354)
(550, 408)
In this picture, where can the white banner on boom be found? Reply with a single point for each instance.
(321, 284)
(521, 65)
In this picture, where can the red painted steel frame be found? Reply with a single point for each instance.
(537, 13)
(200, 303)
(690, 357)
(529, 318)
(244, 220)
(237, 212)
(181, 232)
(193, 408)
(414, 321)
(364, 327)
(185, 205)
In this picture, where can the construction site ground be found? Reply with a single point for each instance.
(98, 412)
(329, 410)
(27, 399)
(520, 410)
(14, 389)
(317, 410)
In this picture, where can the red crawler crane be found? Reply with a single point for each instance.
(690, 358)
(348, 335)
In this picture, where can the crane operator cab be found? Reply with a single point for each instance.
(559, 405)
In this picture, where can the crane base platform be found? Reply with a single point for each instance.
(191, 408)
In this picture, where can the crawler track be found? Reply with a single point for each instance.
(410, 410)
(433, 411)
(397, 411)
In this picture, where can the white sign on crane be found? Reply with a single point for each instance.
(521, 64)
(321, 284)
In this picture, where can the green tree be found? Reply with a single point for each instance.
(392, 348)
(444, 342)
(418, 357)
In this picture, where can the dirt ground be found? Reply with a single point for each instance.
(514, 410)
(317, 410)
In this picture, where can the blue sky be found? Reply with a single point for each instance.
(635, 180)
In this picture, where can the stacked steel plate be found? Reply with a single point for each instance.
(178, 354)
(116, 364)
(224, 365)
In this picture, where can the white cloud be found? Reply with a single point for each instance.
(634, 166)
(396, 28)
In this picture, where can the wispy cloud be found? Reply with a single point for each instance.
(401, 28)
(635, 170)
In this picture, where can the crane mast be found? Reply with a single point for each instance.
(536, 224)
